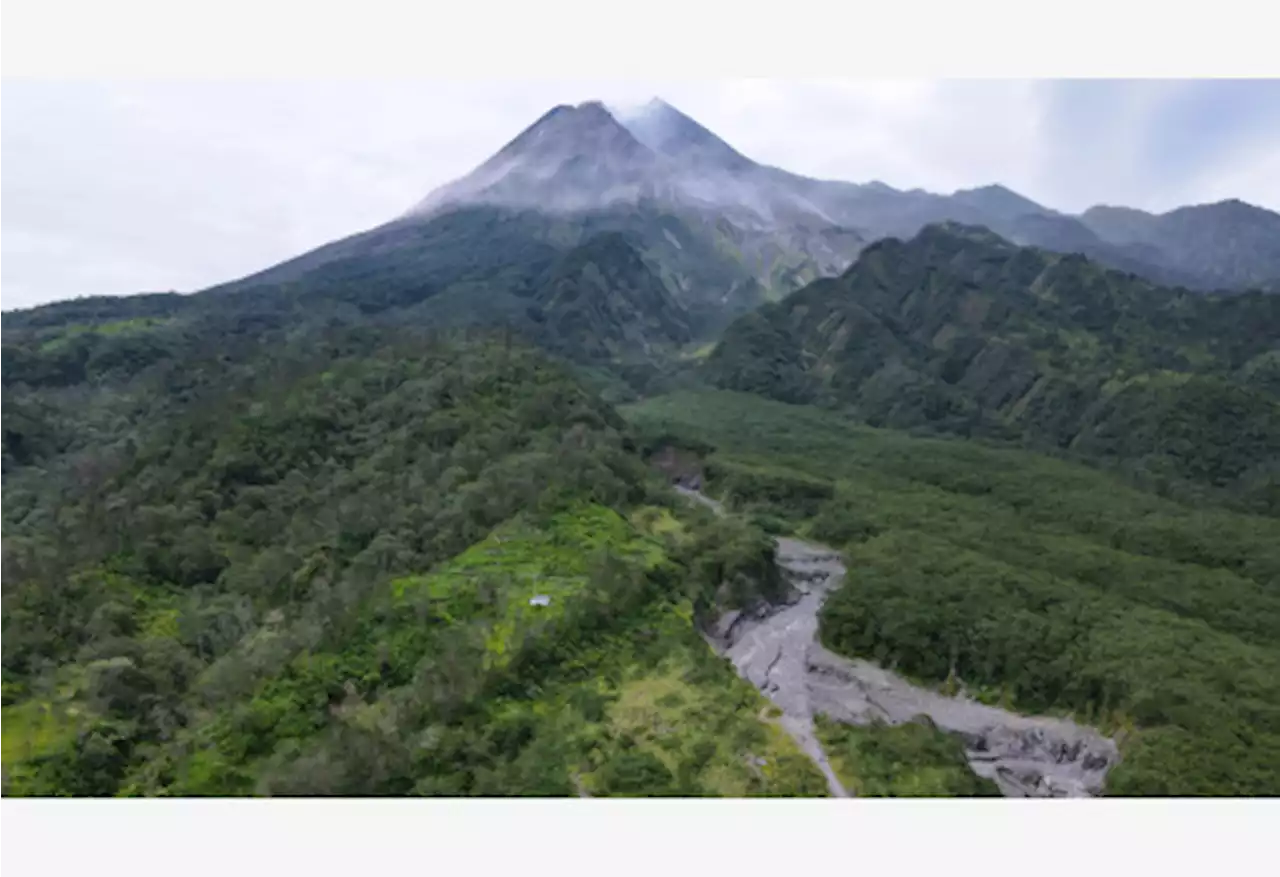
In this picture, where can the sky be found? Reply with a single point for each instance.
(134, 186)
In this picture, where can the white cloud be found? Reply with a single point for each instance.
(117, 188)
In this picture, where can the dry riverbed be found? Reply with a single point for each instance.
(775, 647)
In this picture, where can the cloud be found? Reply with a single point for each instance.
(937, 136)
(129, 187)
(1158, 144)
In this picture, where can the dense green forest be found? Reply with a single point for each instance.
(1041, 584)
(959, 332)
(306, 568)
(282, 537)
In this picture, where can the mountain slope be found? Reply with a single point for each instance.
(1229, 244)
(723, 232)
(305, 567)
(573, 158)
(999, 203)
(960, 331)
(1022, 580)
(671, 133)
(601, 301)
(721, 243)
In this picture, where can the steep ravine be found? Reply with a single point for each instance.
(775, 648)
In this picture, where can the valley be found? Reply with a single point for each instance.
(627, 466)
(1032, 585)
(775, 648)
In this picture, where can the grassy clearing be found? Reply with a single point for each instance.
(36, 728)
(67, 334)
(520, 562)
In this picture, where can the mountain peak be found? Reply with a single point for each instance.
(571, 158)
(999, 201)
(590, 157)
(1229, 207)
(585, 128)
(594, 109)
(989, 189)
(667, 131)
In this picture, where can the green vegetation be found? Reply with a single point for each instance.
(1051, 586)
(280, 538)
(504, 697)
(768, 489)
(498, 254)
(601, 301)
(913, 760)
(65, 338)
(308, 569)
(958, 332)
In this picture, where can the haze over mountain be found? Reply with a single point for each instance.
(575, 173)
(727, 233)
(286, 167)
(585, 158)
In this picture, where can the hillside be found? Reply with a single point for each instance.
(371, 561)
(1033, 583)
(1230, 244)
(310, 571)
(960, 332)
(595, 303)
(601, 301)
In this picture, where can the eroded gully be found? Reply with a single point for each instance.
(775, 648)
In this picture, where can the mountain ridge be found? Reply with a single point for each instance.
(761, 231)
(962, 332)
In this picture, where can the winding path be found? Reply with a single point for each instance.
(775, 647)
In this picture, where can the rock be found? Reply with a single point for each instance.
(1095, 761)
(726, 627)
